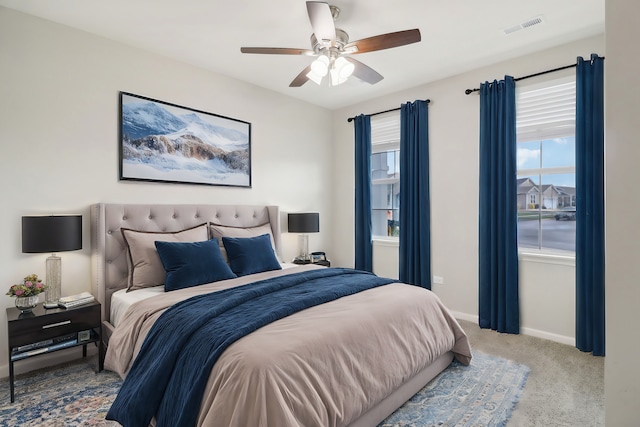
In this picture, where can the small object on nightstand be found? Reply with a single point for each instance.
(320, 258)
(76, 300)
(84, 335)
(323, 262)
(26, 293)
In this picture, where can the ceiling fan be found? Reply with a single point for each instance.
(332, 47)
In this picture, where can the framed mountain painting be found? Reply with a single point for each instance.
(165, 142)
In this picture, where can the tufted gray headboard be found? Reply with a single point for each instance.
(108, 250)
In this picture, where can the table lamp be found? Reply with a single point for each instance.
(304, 223)
(56, 233)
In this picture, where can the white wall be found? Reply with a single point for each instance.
(547, 297)
(622, 151)
(385, 259)
(453, 145)
(59, 139)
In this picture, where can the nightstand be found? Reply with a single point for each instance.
(322, 262)
(45, 331)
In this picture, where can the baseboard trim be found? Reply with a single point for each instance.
(464, 316)
(562, 339)
(45, 360)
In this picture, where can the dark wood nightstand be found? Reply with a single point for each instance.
(44, 331)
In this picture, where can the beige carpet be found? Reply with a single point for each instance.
(565, 386)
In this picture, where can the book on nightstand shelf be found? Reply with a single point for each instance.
(76, 300)
(40, 350)
(45, 343)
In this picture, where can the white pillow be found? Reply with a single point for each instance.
(145, 267)
(220, 231)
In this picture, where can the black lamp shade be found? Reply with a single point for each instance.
(304, 222)
(58, 233)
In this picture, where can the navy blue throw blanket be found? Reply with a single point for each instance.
(169, 375)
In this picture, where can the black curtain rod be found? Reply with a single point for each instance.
(469, 91)
(350, 119)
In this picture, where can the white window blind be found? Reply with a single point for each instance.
(385, 132)
(546, 112)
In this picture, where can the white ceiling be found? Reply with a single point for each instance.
(457, 35)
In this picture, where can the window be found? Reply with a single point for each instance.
(385, 174)
(546, 193)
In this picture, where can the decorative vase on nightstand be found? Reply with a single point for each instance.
(26, 304)
(26, 293)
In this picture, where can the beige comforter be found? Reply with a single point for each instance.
(323, 366)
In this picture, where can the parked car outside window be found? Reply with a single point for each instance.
(568, 215)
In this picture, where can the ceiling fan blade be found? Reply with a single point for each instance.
(384, 41)
(364, 72)
(277, 50)
(301, 78)
(321, 21)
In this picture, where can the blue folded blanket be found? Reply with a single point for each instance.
(170, 373)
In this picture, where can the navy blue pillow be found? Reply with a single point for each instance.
(192, 263)
(248, 255)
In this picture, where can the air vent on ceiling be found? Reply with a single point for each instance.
(526, 24)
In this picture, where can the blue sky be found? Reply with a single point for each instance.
(558, 152)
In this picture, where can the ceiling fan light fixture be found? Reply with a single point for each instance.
(320, 66)
(311, 75)
(341, 71)
(344, 67)
(336, 78)
(329, 43)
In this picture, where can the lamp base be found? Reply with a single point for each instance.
(53, 281)
(303, 240)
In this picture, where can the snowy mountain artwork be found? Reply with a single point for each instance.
(169, 143)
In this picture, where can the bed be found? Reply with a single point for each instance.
(348, 362)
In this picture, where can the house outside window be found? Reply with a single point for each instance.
(385, 175)
(546, 194)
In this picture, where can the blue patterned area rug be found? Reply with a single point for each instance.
(65, 395)
(482, 394)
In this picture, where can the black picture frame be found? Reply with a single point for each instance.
(170, 143)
